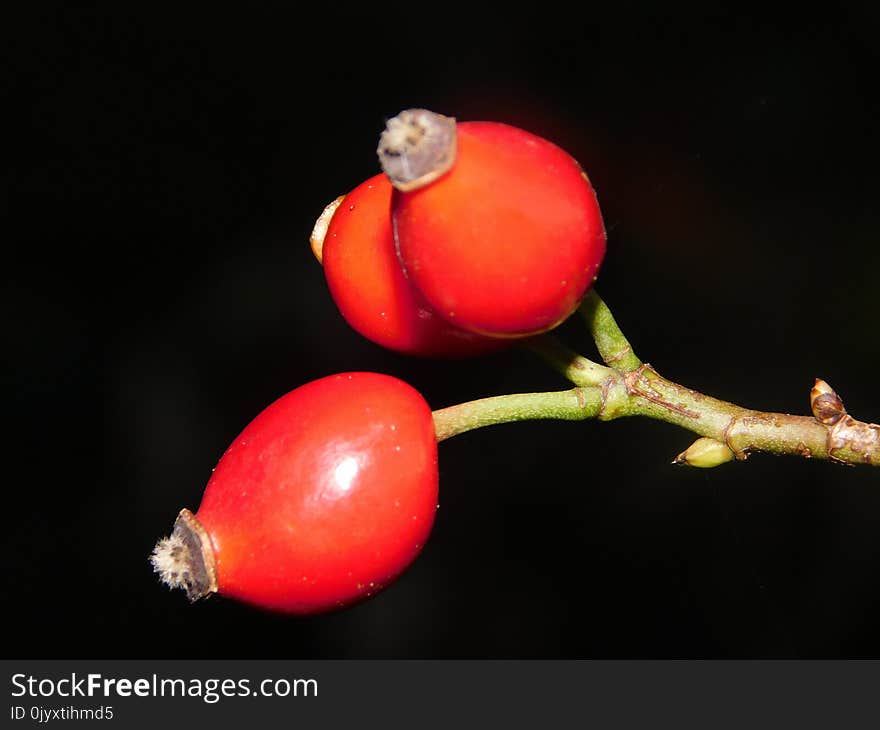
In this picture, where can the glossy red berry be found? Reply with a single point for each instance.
(498, 229)
(324, 499)
(368, 284)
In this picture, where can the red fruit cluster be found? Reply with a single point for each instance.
(492, 233)
(478, 233)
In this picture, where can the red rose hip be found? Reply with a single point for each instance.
(324, 499)
(366, 280)
(497, 228)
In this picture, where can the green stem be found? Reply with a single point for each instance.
(643, 392)
(574, 367)
(614, 348)
(629, 388)
(568, 405)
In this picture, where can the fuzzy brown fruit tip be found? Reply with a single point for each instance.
(185, 559)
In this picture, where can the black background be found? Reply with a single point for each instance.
(163, 173)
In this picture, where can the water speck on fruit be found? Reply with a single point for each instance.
(350, 208)
(397, 448)
(393, 427)
(397, 503)
(563, 282)
(360, 586)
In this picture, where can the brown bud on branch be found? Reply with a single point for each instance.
(826, 405)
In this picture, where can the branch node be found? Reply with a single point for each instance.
(729, 435)
(605, 388)
(844, 431)
(860, 437)
(633, 381)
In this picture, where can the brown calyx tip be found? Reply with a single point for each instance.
(416, 148)
(185, 559)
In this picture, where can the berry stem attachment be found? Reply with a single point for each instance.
(574, 367)
(613, 346)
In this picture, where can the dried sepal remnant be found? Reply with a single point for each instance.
(320, 230)
(185, 558)
(416, 148)
(170, 561)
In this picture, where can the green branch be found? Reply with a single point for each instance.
(628, 387)
(568, 405)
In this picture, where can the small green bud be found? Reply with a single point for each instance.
(705, 453)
